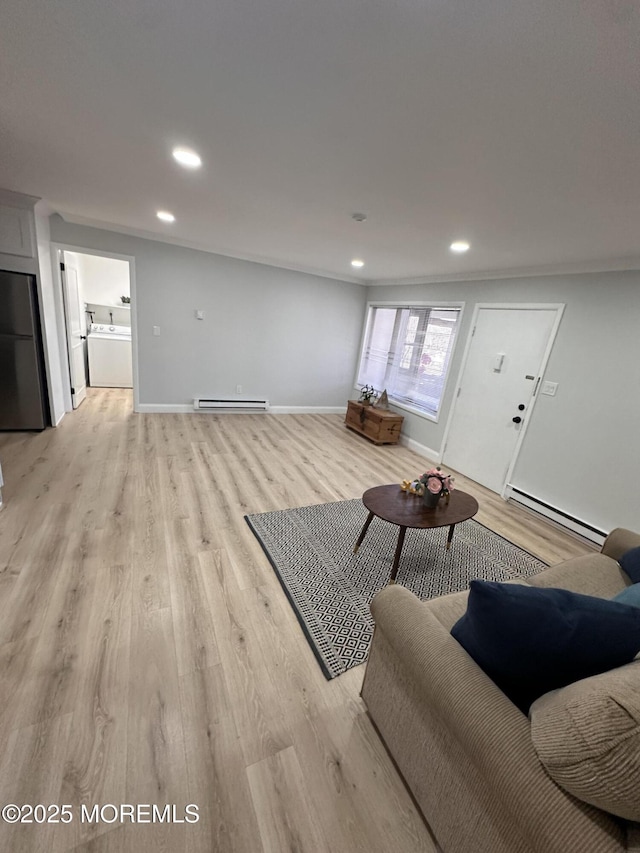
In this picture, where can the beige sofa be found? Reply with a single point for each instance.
(465, 751)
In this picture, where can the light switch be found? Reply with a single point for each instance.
(498, 361)
(156, 330)
(199, 314)
(549, 388)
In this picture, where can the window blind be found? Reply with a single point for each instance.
(407, 351)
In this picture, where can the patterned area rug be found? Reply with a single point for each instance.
(330, 587)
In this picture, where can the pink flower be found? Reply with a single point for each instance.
(434, 484)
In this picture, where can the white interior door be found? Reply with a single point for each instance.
(76, 333)
(504, 362)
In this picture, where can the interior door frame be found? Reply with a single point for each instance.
(57, 250)
(558, 307)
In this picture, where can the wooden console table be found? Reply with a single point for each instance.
(378, 425)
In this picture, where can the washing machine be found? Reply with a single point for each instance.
(109, 353)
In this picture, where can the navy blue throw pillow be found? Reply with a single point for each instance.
(530, 640)
(630, 562)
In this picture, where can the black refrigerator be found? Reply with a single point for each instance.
(23, 391)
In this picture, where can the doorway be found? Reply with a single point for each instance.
(96, 320)
(505, 358)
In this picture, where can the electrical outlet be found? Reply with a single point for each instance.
(199, 314)
(156, 330)
(238, 389)
(549, 388)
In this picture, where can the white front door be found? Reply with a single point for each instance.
(76, 334)
(503, 366)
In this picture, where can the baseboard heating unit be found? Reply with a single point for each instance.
(207, 404)
(570, 522)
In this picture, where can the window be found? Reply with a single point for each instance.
(407, 350)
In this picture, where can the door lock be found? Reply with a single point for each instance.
(521, 407)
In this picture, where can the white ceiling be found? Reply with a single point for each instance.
(513, 124)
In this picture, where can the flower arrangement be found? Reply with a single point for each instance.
(431, 486)
(367, 394)
(436, 482)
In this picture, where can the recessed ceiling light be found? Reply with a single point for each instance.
(165, 216)
(356, 262)
(187, 158)
(460, 247)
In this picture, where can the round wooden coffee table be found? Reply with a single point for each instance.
(406, 510)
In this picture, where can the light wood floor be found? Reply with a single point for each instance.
(148, 653)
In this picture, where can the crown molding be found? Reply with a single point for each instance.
(199, 247)
(617, 265)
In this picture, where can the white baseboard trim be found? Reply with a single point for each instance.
(166, 408)
(555, 514)
(308, 410)
(421, 449)
(187, 408)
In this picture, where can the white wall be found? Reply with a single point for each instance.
(104, 280)
(581, 452)
(287, 336)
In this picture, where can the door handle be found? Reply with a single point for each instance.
(517, 419)
(83, 337)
